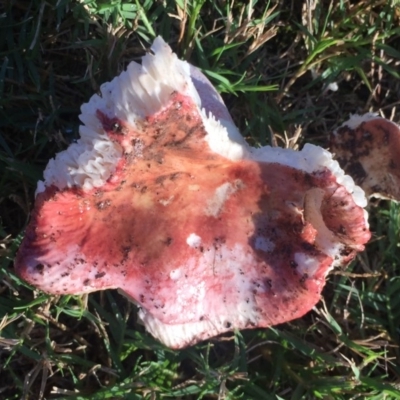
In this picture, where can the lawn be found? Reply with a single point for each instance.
(290, 72)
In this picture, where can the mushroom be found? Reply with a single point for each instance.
(162, 199)
(367, 148)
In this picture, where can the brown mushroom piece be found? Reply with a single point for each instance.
(166, 202)
(367, 148)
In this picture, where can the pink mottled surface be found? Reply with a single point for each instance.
(250, 217)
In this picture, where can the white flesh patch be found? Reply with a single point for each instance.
(88, 163)
(220, 141)
(216, 204)
(306, 265)
(178, 335)
(175, 274)
(193, 240)
(166, 202)
(356, 120)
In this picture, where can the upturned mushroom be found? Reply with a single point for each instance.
(162, 199)
(367, 148)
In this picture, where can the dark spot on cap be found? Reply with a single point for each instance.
(102, 205)
(303, 278)
(116, 128)
(158, 158)
(86, 282)
(126, 250)
(99, 275)
(346, 251)
(39, 267)
(308, 246)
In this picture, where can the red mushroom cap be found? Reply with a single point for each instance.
(168, 204)
(368, 148)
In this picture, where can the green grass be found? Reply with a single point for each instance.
(273, 62)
